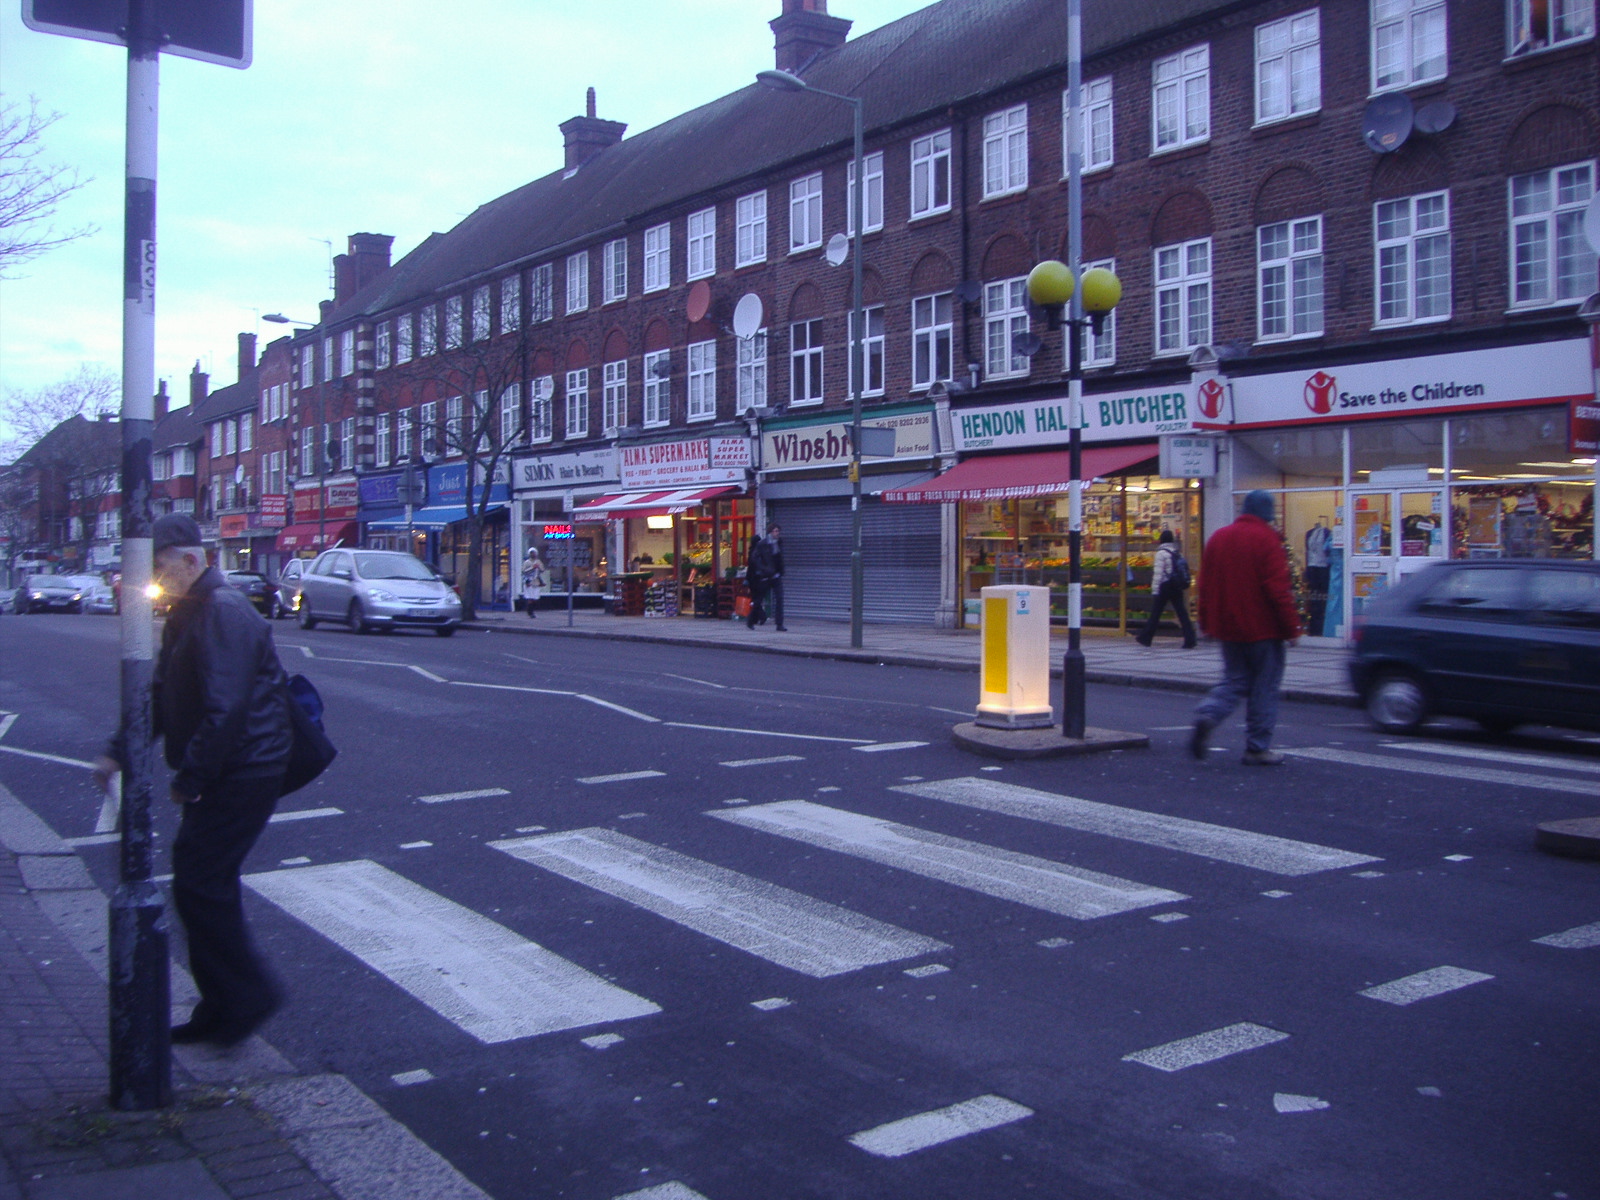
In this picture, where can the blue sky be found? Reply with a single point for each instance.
(390, 118)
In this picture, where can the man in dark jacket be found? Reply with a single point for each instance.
(220, 704)
(764, 576)
(1246, 604)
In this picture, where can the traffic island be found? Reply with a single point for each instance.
(1045, 742)
(1577, 838)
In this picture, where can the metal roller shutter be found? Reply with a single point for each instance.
(900, 559)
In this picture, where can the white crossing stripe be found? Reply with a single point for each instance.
(1424, 985)
(110, 807)
(1352, 758)
(444, 797)
(426, 674)
(412, 1078)
(782, 926)
(94, 839)
(910, 1134)
(493, 983)
(627, 712)
(765, 762)
(1581, 938)
(43, 757)
(1586, 766)
(305, 814)
(800, 737)
(1004, 874)
(623, 777)
(1281, 856)
(1206, 1047)
(664, 1191)
(875, 748)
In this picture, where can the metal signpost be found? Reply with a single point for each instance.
(214, 31)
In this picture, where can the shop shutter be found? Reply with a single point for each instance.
(900, 559)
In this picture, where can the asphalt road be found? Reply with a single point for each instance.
(593, 918)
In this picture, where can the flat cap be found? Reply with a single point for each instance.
(174, 529)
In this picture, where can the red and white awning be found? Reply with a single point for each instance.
(650, 504)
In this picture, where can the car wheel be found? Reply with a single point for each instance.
(1396, 702)
(307, 621)
(1497, 725)
(357, 618)
(445, 630)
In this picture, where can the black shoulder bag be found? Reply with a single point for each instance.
(310, 751)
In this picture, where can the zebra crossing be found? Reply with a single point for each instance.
(1454, 760)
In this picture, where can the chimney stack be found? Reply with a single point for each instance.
(344, 278)
(163, 401)
(370, 253)
(587, 135)
(804, 31)
(247, 354)
(199, 385)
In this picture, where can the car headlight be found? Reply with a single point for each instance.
(77, 595)
(380, 594)
(153, 591)
(36, 595)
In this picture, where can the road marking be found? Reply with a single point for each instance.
(1005, 874)
(782, 926)
(477, 794)
(1287, 1102)
(1458, 858)
(305, 814)
(9, 719)
(415, 845)
(426, 674)
(1424, 985)
(954, 712)
(924, 972)
(764, 762)
(94, 839)
(511, 687)
(1170, 728)
(1206, 1047)
(910, 1134)
(623, 777)
(1055, 943)
(1581, 938)
(412, 1078)
(1282, 856)
(1509, 756)
(601, 1040)
(55, 758)
(701, 682)
(804, 737)
(1276, 894)
(664, 1191)
(306, 650)
(1168, 918)
(484, 978)
(627, 712)
(874, 749)
(1352, 758)
(772, 1003)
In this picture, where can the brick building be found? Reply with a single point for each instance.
(1350, 243)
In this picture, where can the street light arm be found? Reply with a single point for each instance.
(787, 81)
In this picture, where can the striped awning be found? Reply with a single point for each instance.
(644, 504)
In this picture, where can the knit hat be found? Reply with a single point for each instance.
(1259, 504)
(174, 529)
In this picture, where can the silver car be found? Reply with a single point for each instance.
(49, 593)
(377, 589)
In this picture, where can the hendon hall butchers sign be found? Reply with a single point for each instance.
(1105, 418)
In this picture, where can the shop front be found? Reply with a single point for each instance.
(439, 532)
(1382, 468)
(679, 527)
(1012, 496)
(245, 542)
(317, 525)
(546, 488)
(805, 488)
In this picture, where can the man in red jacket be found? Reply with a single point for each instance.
(1246, 604)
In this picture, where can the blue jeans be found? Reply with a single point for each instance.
(1251, 672)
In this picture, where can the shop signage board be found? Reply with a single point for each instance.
(1110, 417)
(232, 525)
(342, 500)
(690, 463)
(380, 491)
(1543, 373)
(1188, 456)
(448, 484)
(558, 472)
(827, 443)
(1583, 435)
(273, 509)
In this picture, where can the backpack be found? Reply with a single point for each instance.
(310, 751)
(1179, 576)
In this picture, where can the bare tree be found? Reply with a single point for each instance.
(481, 391)
(31, 190)
(28, 417)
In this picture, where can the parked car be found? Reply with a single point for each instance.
(1505, 642)
(98, 595)
(263, 593)
(377, 589)
(288, 585)
(49, 593)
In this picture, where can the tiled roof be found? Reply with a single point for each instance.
(943, 55)
(177, 428)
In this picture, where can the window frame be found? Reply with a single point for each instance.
(750, 229)
(428, 429)
(872, 349)
(933, 159)
(1551, 219)
(404, 429)
(482, 328)
(576, 396)
(541, 409)
(403, 327)
(614, 271)
(577, 283)
(1185, 284)
(613, 396)
(455, 317)
(1289, 264)
(702, 245)
(1406, 20)
(1012, 293)
(542, 294)
(382, 348)
(428, 331)
(805, 213)
(1098, 95)
(809, 361)
(1521, 48)
(1287, 57)
(1003, 132)
(657, 389)
(380, 440)
(1101, 350)
(701, 389)
(926, 336)
(874, 194)
(750, 355)
(658, 258)
(1380, 244)
(511, 303)
(1179, 83)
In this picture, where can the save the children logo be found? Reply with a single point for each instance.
(1210, 398)
(1319, 392)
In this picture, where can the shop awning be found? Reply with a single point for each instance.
(657, 503)
(1019, 476)
(314, 536)
(434, 516)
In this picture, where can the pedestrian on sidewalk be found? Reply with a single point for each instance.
(763, 574)
(1246, 604)
(220, 703)
(533, 581)
(1169, 584)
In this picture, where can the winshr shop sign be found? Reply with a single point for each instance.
(1105, 418)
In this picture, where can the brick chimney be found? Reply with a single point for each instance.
(370, 252)
(804, 31)
(587, 135)
(199, 385)
(163, 401)
(344, 278)
(247, 354)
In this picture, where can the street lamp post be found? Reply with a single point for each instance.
(785, 81)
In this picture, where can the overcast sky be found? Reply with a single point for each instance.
(397, 117)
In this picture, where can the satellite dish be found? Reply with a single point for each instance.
(1591, 223)
(1387, 121)
(1028, 344)
(1435, 116)
(238, 473)
(970, 291)
(699, 300)
(838, 249)
(747, 315)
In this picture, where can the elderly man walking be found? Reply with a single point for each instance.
(1246, 604)
(220, 703)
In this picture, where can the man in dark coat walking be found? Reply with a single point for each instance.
(764, 576)
(1247, 605)
(220, 704)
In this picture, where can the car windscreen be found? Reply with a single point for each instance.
(391, 566)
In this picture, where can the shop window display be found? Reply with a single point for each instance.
(1517, 491)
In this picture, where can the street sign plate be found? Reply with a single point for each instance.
(214, 31)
